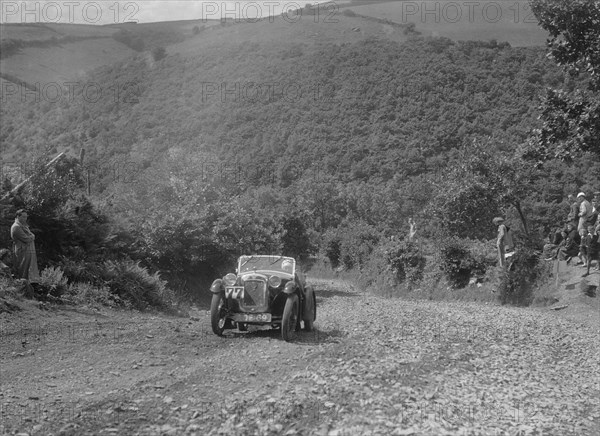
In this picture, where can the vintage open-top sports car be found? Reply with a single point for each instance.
(267, 290)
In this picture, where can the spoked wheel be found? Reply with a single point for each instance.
(290, 318)
(218, 320)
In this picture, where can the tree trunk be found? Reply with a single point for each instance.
(522, 216)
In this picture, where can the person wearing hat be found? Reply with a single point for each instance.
(504, 241)
(585, 211)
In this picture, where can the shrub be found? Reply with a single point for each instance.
(516, 286)
(50, 187)
(350, 245)
(458, 263)
(53, 281)
(133, 283)
(88, 294)
(130, 284)
(159, 53)
(332, 246)
(174, 243)
(358, 241)
(75, 229)
(406, 261)
(80, 271)
(484, 254)
(10, 288)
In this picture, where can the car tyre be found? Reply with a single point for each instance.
(217, 319)
(310, 311)
(290, 320)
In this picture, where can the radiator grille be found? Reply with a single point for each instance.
(255, 294)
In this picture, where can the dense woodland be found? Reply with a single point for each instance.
(305, 150)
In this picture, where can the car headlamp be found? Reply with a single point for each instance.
(230, 279)
(274, 281)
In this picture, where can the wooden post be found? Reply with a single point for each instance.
(89, 188)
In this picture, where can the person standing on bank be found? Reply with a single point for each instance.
(504, 242)
(585, 211)
(24, 248)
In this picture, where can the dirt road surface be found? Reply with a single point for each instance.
(372, 366)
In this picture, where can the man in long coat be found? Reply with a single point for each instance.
(24, 248)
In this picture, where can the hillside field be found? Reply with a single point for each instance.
(512, 22)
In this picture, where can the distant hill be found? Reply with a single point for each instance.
(47, 53)
(364, 85)
(365, 101)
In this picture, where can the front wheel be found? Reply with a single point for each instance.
(217, 314)
(310, 310)
(290, 318)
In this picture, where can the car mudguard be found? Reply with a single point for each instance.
(290, 287)
(217, 286)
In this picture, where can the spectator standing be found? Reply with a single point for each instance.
(593, 219)
(585, 211)
(504, 241)
(593, 248)
(24, 248)
(555, 241)
(574, 210)
(571, 245)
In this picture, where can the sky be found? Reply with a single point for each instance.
(142, 11)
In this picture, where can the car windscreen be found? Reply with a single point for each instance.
(268, 263)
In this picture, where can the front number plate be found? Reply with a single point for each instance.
(252, 317)
(234, 292)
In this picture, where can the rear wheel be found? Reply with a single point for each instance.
(218, 320)
(290, 318)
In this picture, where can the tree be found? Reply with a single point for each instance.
(571, 120)
(295, 239)
(481, 185)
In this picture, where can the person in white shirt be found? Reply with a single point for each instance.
(585, 211)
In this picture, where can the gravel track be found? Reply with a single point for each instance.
(372, 366)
